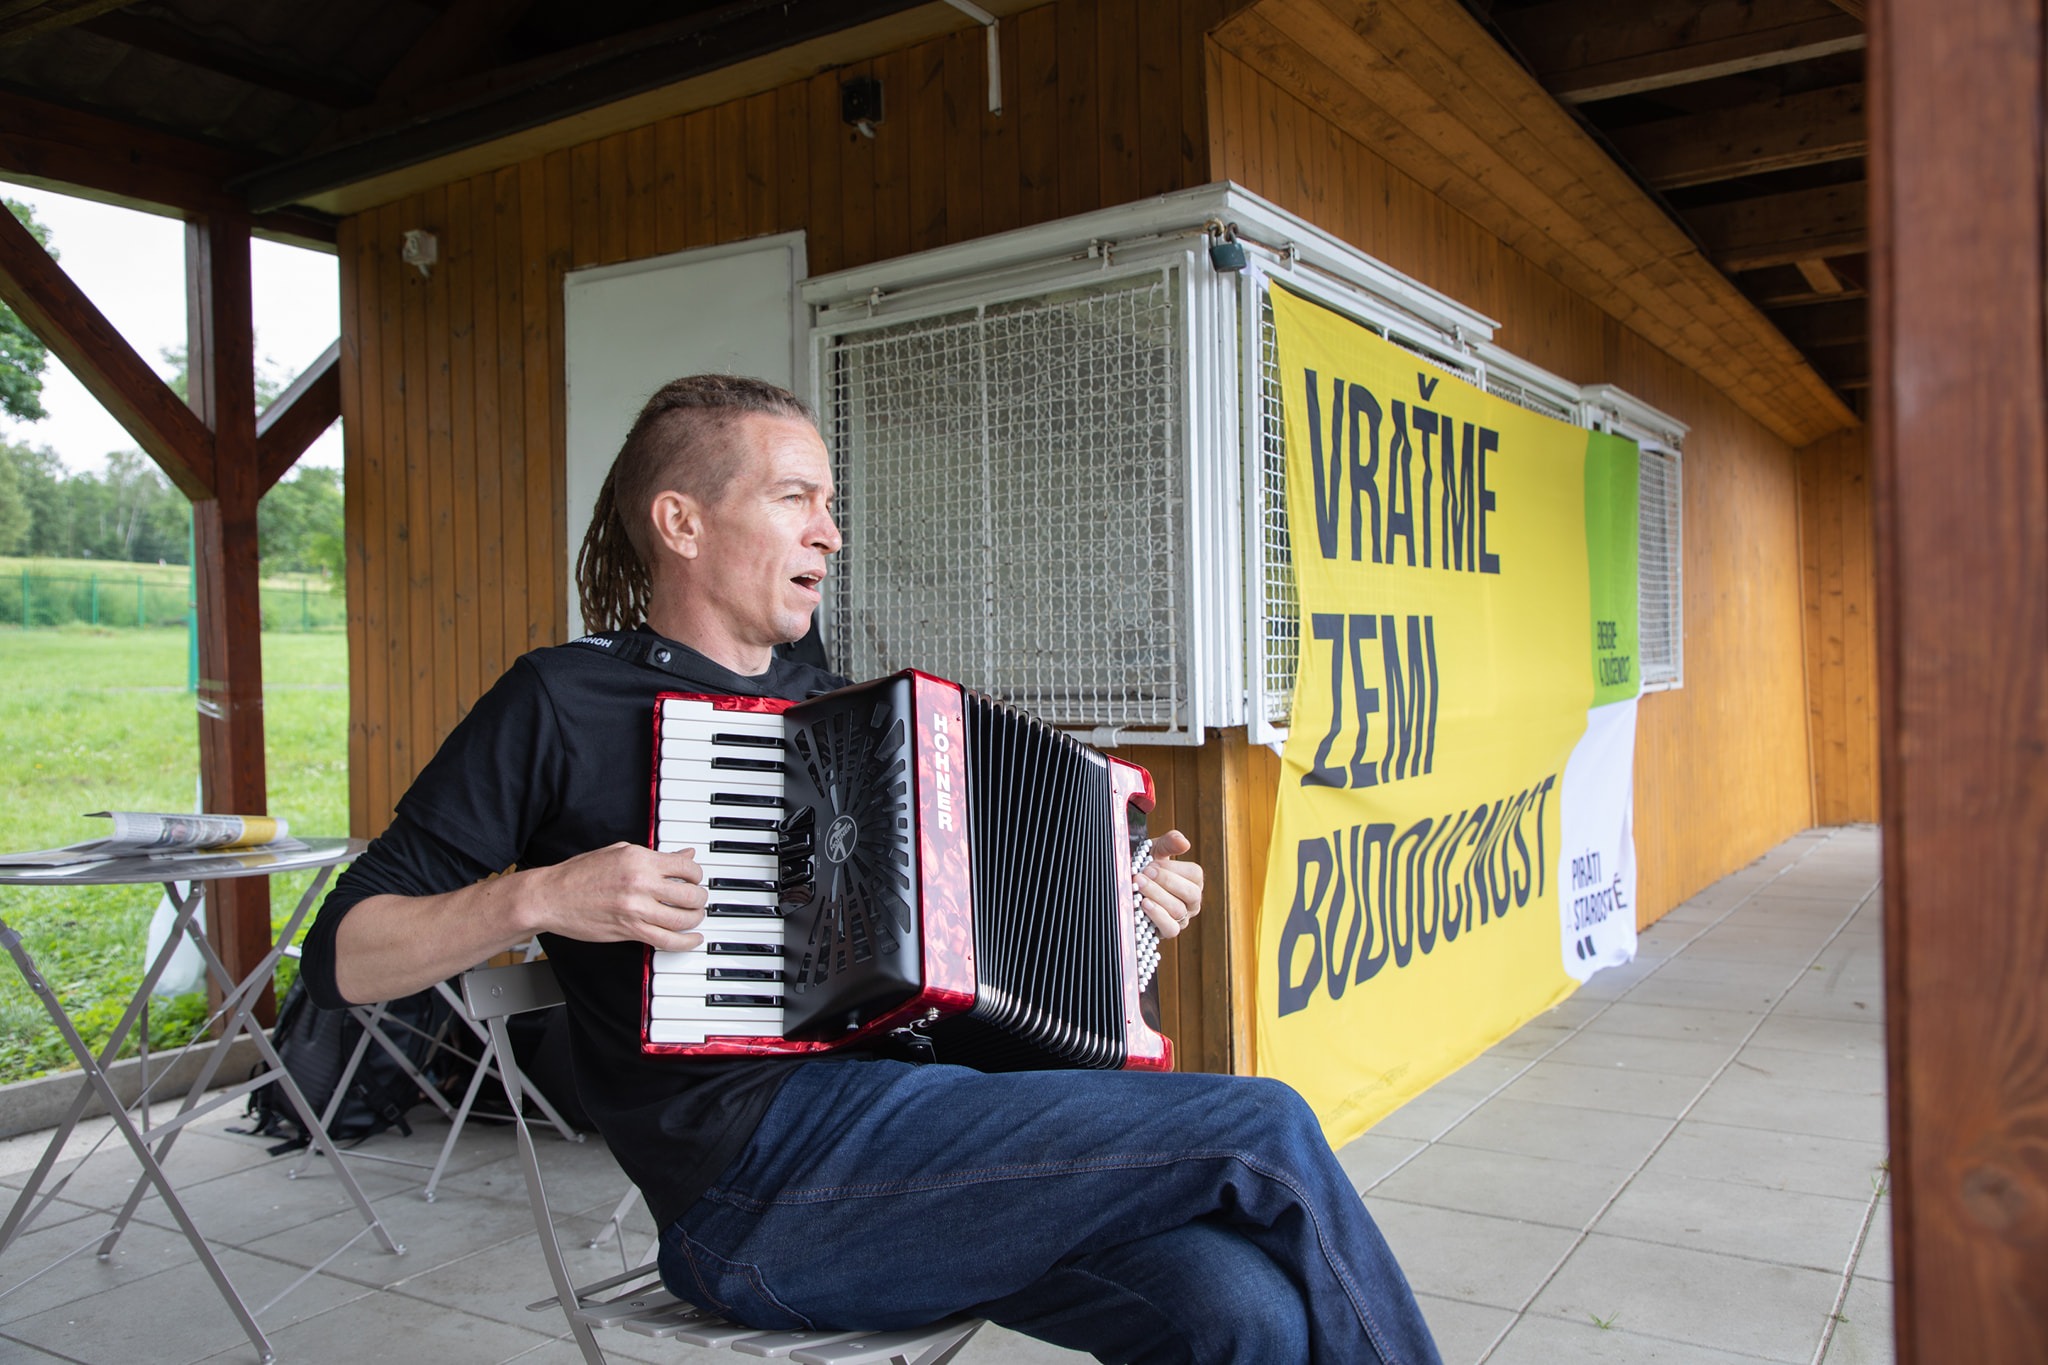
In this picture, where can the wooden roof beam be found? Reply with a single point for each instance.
(26, 18)
(453, 45)
(104, 159)
(1585, 50)
(1821, 276)
(296, 418)
(1783, 229)
(160, 39)
(78, 334)
(1799, 130)
(406, 131)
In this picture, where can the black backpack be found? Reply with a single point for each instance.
(315, 1044)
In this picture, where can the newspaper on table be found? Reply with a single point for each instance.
(148, 834)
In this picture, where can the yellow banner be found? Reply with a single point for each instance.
(1451, 639)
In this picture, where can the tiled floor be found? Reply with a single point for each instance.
(1684, 1162)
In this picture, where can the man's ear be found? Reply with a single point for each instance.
(678, 522)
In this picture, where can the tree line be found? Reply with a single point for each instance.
(130, 512)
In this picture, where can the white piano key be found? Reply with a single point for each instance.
(696, 797)
(698, 980)
(718, 1018)
(703, 714)
(695, 775)
(678, 1031)
(704, 748)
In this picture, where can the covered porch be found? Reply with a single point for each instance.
(1686, 1161)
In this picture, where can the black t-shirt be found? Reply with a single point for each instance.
(556, 760)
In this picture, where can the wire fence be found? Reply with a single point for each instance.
(130, 602)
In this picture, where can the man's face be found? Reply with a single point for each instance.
(762, 547)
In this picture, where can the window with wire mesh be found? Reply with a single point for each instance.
(1524, 397)
(1011, 489)
(1659, 544)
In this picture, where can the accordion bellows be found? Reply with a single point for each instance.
(902, 860)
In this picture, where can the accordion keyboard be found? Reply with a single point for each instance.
(721, 794)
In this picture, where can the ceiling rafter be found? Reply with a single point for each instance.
(161, 39)
(1808, 129)
(1784, 229)
(1586, 50)
(26, 18)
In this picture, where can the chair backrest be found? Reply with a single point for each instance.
(499, 992)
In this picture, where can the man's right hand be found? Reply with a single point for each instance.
(624, 893)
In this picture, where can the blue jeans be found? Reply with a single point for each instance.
(1141, 1217)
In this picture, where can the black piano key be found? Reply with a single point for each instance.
(728, 948)
(743, 822)
(743, 974)
(745, 799)
(745, 1001)
(742, 846)
(741, 884)
(749, 765)
(751, 741)
(727, 908)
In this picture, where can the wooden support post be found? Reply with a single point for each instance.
(1959, 205)
(222, 353)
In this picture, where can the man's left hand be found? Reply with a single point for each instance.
(1170, 891)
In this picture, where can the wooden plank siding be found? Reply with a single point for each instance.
(1839, 586)
(1722, 769)
(452, 381)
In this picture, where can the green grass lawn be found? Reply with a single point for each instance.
(100, 720)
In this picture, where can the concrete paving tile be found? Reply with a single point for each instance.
(1468, 1256)
(32, 1286)
(1803, 1033)
(1616, 1089)
(1863, 1333)
(1751, 1101)
(178, 1315)
(1562, 1133)
(1786, 1227)
(1463, 1331)
(105, 1180)
(499, 1281)
(1426, 1117)
(1701, 909)
(1481, 1076)
(1574, 1011)
(1700, 1298)
(1646, 1052)
(1557, 1341)
(397, 1328)
(1787, 950)
(577, 1175)
(1821, 996)
(14, 1349)
(1368, 1159)
(1530, 1041)
(1719, 996)
(1774, 1161)
(1503, 1184)
(1736, 974)
(248, 1206)
(432, 1234)
(1854, 1071)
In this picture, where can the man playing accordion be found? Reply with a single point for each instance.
(1140, 1216)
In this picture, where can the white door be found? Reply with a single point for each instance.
(631, 328)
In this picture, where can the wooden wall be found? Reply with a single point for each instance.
(1721, 764)
(452, 387)
(1839, 581)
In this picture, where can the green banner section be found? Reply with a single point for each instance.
(1613, 473)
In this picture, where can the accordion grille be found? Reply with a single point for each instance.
(1046, 932)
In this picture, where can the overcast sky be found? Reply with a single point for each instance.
(132, 266)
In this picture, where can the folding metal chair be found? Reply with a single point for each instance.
(375, 1020)
(635, 1300)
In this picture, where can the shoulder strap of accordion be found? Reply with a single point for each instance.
(678, 661)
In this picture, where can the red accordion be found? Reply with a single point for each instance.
(902, 860)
